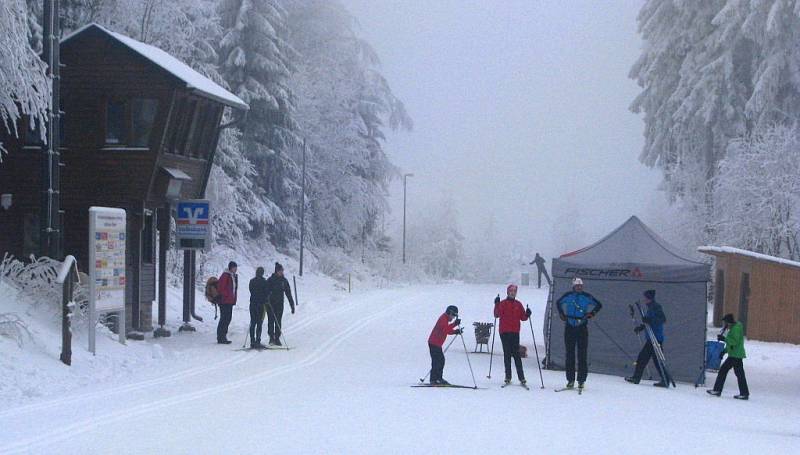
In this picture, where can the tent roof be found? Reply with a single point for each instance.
(193, 80)
(631, 243)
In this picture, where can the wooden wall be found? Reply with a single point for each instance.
(774, 305)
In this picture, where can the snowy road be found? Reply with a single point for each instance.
(344, 389)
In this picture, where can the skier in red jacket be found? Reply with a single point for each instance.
(439, 333)
(228, 287)
(510, 312)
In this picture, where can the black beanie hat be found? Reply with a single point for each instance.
(260, 271)
(232, 265)
(729, 318)
(650, 294)
(278, 267)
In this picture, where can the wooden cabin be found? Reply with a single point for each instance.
(763, 292)
(138, 124)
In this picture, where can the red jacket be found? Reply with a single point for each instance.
(510, 313)
(440, 331)
(227, 286)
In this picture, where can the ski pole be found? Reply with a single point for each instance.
(536, 349)
(461, 333)
(491, 353)
(422, 379)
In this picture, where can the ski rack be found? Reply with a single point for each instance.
(657, 348)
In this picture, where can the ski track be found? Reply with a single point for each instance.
(89, 424)
(186, 373)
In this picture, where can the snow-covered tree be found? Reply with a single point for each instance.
(757, 193)
(256, 61)
(24, 85)
(436, 244)
(712, 71)
(343, 107)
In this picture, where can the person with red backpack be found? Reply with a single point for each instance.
(436, 339)
(227, 286)
(510, 312)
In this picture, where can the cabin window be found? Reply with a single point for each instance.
(148, 238)
(143, 117)
(115, 122)
(186, 125)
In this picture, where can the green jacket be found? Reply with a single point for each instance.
(734, 341)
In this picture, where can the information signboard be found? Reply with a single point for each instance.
(193, 225)
(107, 242)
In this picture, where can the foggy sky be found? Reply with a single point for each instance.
(520, 109)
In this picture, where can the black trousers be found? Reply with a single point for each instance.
(256, 322)
(738, 369)
(274, 317)
(645, 355)
(510, 342)
(546, 275)
(225, 316)
(576, 336)
(437, 362)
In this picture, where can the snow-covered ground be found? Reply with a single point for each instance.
(344, 388)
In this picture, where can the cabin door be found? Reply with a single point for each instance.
(744, 300)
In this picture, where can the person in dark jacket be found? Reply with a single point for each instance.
(277, 287)
(228, 286)
(541, 269)
(655, 318)
(510, 312)
(734, 347)
(443, 327)
(258, 302)
(575, 308)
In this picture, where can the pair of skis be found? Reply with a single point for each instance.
(565, 389)
(660, 358)
(265, 348)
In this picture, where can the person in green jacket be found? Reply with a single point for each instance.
(734, 347)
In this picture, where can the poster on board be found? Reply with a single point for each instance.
(107, 242)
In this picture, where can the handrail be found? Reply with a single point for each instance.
(63, 272)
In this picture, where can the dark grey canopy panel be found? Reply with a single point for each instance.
(617, 270)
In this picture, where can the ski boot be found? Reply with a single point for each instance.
(742, 397)
(661, 384)
(714, 393)
(278, 342)
(523, 383)
(507, 381)
(570, 385)
(632, 380)
(580, 387)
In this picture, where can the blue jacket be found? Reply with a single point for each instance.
(654, 316)
(576, 306)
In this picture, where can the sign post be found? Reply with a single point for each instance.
(193, 224)
(107, 227)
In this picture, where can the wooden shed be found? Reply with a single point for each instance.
(139, 130)
(763, 292)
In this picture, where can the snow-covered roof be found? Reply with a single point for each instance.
(750, 254)
(193, 80)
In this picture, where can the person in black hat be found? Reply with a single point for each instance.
(258, 302)
(734, 347)
(655, 318)
(447, 324)
(277, 287)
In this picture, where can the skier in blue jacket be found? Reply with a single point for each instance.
(575, 308)
(655, 318)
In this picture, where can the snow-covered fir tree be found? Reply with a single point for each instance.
(710, 72)
(256, 61)
(343, 106)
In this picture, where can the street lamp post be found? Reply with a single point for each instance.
(303, 209)
(405, 179)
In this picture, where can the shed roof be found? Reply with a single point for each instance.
(722, 250)
(194, 81)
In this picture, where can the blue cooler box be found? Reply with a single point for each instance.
(713, 350)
